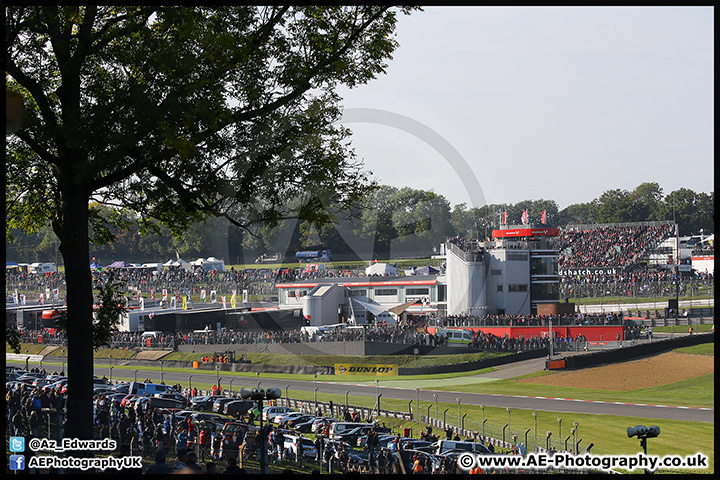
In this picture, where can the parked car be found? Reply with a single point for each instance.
(352, 435)
(353, 455)
(280, 418)
(238, 408)
(205, 403)
(309, 449)
(231, 427)
(321, 422)
(292, 422)
(442, 446)
(166, 403)
(208, 418)
(270, 411)
(174, 396)
(408, 455)
(121, 387)
(129, 400)
(305, 427)
(183, 415)
(220, 402)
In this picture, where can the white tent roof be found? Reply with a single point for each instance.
(380, 268)
(377, 309)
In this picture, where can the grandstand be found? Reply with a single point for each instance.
(610, 246)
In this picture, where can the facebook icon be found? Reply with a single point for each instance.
(17, 462)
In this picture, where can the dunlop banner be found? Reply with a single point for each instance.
(365, 369)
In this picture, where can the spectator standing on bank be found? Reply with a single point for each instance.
(159, 467)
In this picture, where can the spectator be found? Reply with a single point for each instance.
(159, 467)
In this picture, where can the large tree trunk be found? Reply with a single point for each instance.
(75, 250)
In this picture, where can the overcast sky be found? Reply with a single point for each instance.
(543, 103)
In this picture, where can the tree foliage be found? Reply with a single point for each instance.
(178, 114)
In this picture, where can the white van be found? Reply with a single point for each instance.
(152, 334)
(148, 389)
(41, 268)
(456, 336)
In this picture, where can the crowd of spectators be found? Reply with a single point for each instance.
(577, 319)
(635, 283)
(609, 246)
(260, 283)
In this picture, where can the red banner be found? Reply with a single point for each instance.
(526, 232)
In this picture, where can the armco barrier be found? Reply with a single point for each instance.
(475, 365)
(636, 351)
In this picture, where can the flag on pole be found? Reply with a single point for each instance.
(41, 299)
(213, 296)
(16, 299)
(142, 303)
(139, 294)
(173, 303)
(22, 299)
(203, 294)
(184, 302)
(164, 299)
(544, 217)
(233, 300)
(504, 217)
(524, 217)
(56, 294)
(152, 294)
(222, 297)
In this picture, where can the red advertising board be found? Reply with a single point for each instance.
(526, 232)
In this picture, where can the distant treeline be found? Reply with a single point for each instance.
(392, 223)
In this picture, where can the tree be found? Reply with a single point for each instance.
(646, 200)
(614, 206)
(177, 114)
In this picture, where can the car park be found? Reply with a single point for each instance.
(230, 428)
(280, 418)
(167, 403)
(238, 408)
(100, 381)
(353, 455)
(203, 417)
(41, 382)
(270, 411)
(390, 442)
(292, 422)
(343, 427)
(443, 446)
(182, 415)
(321, 422)
(409, 455)
(128, 400)
(220, 402)
(305, 427)
(309, 449)
(383, 440)
(29, 378)
(121, 387)
(352, 436)
(204, 403)
(173, 396)
(116, 397)
(141, 388)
